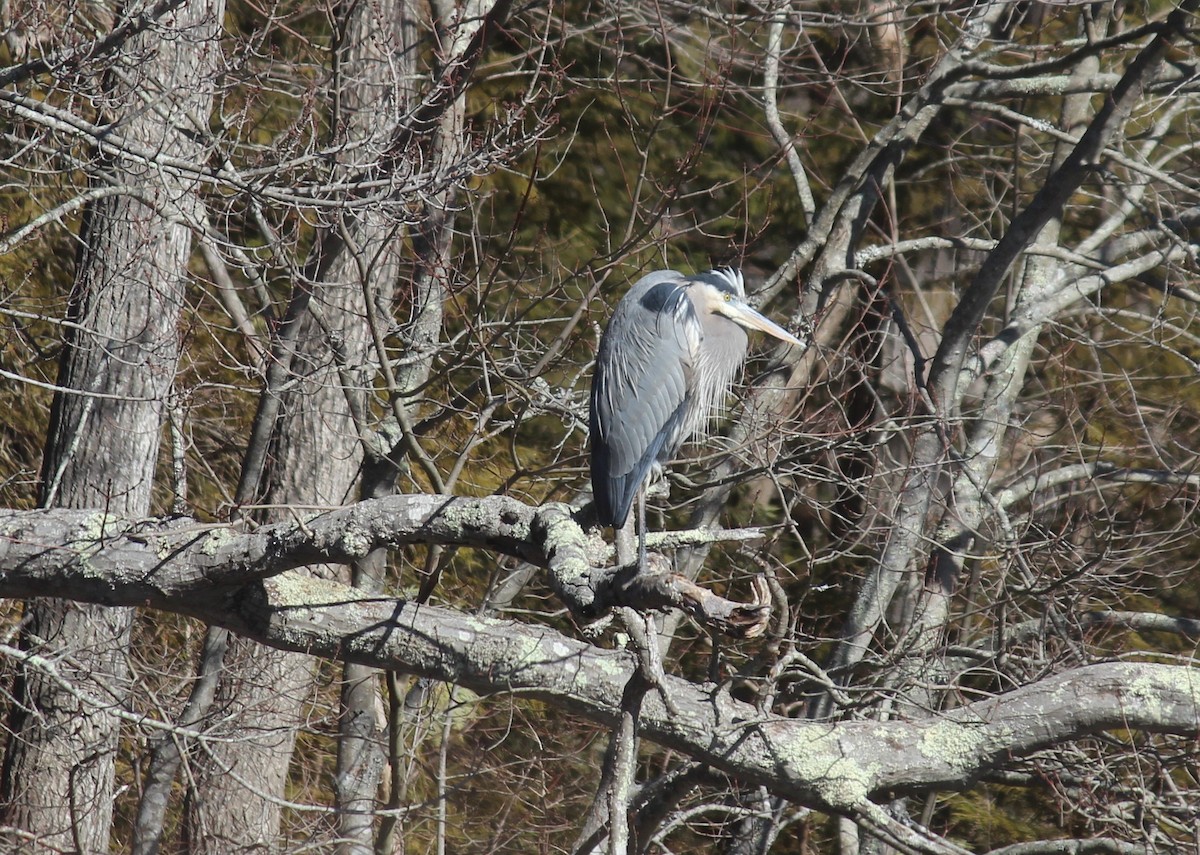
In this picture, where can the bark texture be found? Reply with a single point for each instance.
(834, 766)
(119, 364)
(316, 450)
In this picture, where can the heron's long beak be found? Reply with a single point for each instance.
(741, 313)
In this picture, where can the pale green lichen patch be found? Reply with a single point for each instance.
(526, 650)
(505, 656)
(960, 745)
(293, 589)
(514, 653)
(1157, 686)
(93, 530)
(611, 666)
(1146, 694)
(215, 540)
(469, 516)
(481, 623)
(842, 782)
(98, 525)
(355, 542)
(562, 533)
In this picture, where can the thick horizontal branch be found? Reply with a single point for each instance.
(831, 766)
(95, 557)
(102, 558)
(834, 766)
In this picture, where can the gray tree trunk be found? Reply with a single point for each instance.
(372, 72)
(322, 434)
(316, 458)
(58, 783)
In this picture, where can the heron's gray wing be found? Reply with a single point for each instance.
(639, 409)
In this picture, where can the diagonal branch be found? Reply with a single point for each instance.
(948, 361)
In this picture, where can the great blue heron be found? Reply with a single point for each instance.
(666, 363)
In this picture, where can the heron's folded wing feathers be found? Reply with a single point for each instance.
(639, 397)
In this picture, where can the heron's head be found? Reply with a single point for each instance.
(722, 292)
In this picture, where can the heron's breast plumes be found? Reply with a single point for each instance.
(715, 366)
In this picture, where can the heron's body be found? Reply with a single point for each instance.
(666, 362)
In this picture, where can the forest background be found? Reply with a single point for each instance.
(278, 279)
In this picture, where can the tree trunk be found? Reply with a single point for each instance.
(372, 73)
(316, 458)
(58, 783)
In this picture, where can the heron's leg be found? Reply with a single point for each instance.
(641, 503)
(626, 544)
